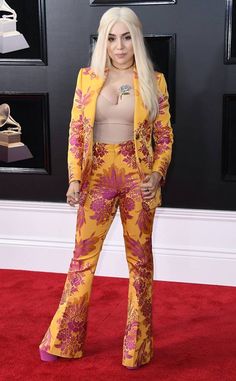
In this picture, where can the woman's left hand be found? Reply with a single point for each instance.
(150, 185)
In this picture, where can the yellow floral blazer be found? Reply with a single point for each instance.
(153, 140)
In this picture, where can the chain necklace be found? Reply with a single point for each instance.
(125, 68)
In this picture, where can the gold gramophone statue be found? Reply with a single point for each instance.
(11, 147)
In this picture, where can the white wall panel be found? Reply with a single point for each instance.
(197, 246)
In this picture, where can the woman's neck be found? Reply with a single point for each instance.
(124, 67)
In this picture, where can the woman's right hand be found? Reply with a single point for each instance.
(72, 194)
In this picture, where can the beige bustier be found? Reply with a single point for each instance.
(114, 123)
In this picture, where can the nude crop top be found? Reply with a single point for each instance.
(114, 123)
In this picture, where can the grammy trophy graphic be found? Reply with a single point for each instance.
(11, 147)
(10, 39)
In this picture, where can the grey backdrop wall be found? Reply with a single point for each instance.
(195, 175)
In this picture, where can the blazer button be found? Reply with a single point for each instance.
(137, 135)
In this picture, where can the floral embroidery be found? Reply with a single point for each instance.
(75, 278)
(78, 145)
(84, 184)
(144, 132)
(163, 139)
(73, 325)
(79, 133)
(145, 352)
(145, 219)
(99, 151)
(105, 192)
(163, 166)
(162, 132)
(85, 246)
(162, 104)
(80, 218)
(127, 149)
(87, 138)
(127, 204)
(72, 175)
(76, 140)
(88, 71)
(143, 286)
(103, 209)
(143, 276)
(83, 99)
(138, 249)
(132, 333)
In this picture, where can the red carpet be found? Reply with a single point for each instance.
(194, 330)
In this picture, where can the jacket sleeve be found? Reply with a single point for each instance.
(162, 132)
(75, 141)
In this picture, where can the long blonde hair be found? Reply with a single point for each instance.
(146, 75)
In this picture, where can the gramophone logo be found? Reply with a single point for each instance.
(10, 39)
(11, 147)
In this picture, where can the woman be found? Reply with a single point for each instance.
(120, 143)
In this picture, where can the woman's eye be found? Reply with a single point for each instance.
(110, 39)
(128, 37)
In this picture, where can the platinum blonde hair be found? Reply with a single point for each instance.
(146, 75)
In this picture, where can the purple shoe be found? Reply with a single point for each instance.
(47, 356)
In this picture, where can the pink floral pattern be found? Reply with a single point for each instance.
(145, 352)
(75, 278)
(140, 335)
(127, 205)
(132, 333)
(162, 132)
(143, 277)
(79, 132)
(105, 190)
(76, 137)
(162, 136)
(99, 151)
(85, 246)
(105, 185)
(144, 220)
(89, 72)
(83, 99)
(163, 103)
(110, 184)
(153, 147)
(80, 219)
(143, 133)
(73, 325)
(127, 149)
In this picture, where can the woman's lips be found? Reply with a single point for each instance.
(120, 55)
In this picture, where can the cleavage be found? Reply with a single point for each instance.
(114, 98)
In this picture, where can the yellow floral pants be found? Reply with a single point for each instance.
(114, 181)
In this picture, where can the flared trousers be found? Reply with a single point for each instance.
(114, 182)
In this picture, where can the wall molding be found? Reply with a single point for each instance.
(196, 246)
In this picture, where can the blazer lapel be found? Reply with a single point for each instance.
(94, 85)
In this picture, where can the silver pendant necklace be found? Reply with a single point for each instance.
(124, 90)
